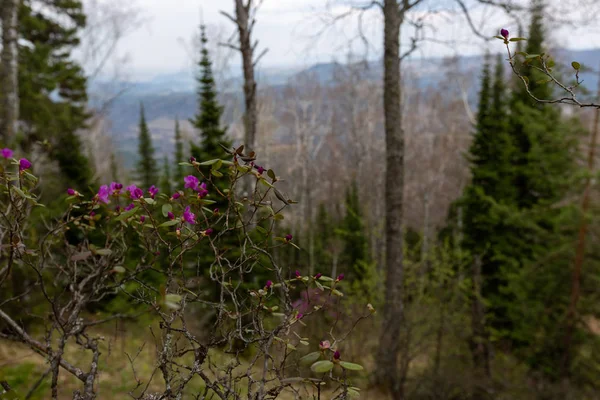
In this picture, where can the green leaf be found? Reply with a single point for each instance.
(320, 367)
(21, 193)
(166, 209)
(170, 223)
(351, 366)
(119, 269)
(127, 214)
(310, 358)
(576, 65)
(104, 252)
(173, 298)
(186, 164)
(291, 347)
(271, 174)
(499, 37)
(216, 173)
(149, 200)
(530, 56)
(209, 162)
(517, 39)
(353, 393)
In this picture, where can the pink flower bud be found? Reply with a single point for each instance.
(504, 33)
(340, 277)
(324, 345)
(268, 285)
(336, 355)
(71, 192)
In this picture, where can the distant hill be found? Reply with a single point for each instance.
(168, 96)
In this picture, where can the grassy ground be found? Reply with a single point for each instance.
(22, 367)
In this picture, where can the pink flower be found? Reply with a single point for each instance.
(6, 152)
(288, 237)
(268, 285)
(142, 218)
(71, 192)
(504, 33)
(202, 192)
(153, 191)
(192, 159)
(188, 216)
(324, 345)
(259, 169)
(176, 195)
(208, 232)
(170, 215)
(24, 164)
(135, 192)
(103, 194)
(340, 277)
(299, 316)
(298, 276)
(130, 207)
(318, 275)
(191, 182)
(115, 188)
(336, 355)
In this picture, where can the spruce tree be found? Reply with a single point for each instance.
(165, 180)
(146, 171)
(179, 173)
(52, 86)
(355, 254)
(208, 119)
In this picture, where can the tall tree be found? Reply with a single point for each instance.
(146, 171)
(387, 374)
(178, 154)
(208, 119)
(52, 86)
(9, 84)
(165, 179)
(245, 20)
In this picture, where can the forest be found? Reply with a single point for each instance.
(373, 228)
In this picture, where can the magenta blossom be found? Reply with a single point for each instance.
(188, 216)
(191, 182)
(153, 191)
(259, 169)
(340, 277)
(288, 237)
(176, 195)
(92, 214)
(135, 192)
(216, 211)
(318, 275)
(71, 192)
(336, 355)
(130, 207)
(115, 187)
(208, 232)
(24, 164)
(103, 194)
(118, 209)
(170, 215)
(298, 276)
(192, 159)
(268, 284)
(6, 152)
(202, 192)
(142, 218)
(504, 33)
(299, 316)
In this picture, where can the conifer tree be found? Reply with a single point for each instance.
(165, 180)
(208, 119)
(146, 171)
(355, 255)
(52, 86)
(179, 174)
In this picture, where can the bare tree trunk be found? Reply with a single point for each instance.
(580, 249)
(393, 311)
(245, 25)
(9, 84)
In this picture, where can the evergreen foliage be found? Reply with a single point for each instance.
(179, 174)
(146, 171)
(165, 180)
(355, 255)
(208, 119)
(52, 86)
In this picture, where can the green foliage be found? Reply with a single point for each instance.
(355, 255)
(165, 180)
(178, 155)
(146, 171)
(208, 119)
(52, 86)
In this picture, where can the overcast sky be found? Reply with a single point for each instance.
(290, 30)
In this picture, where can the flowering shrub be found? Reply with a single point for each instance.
(86, 256)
